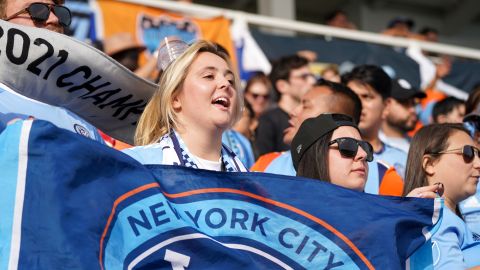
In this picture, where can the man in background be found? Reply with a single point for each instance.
(53, 16)
(400, 116)
(291, 78)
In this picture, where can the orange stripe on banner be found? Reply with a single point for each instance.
(279, 204)
(112, 213)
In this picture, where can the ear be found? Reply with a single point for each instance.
(282, 86)
(427, 165)
(441, 119)
(176, 104)
(386, 108)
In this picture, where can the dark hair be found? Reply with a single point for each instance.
(427, 29)
(473, 99)
(314, 162)
(429, 140)
(344, 91)
(445, 106)
(331, 15)
(248, 107)
(258, 77)
(282, 67)
(371, 75)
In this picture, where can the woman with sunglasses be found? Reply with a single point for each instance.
(258, 92)
(196, 102)
(329, 148)
(445, 153)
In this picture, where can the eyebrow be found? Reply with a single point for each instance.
(212, 68)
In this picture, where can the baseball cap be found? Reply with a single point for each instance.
(313, 129)
(403, 90)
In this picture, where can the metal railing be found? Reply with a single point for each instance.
(305, 27)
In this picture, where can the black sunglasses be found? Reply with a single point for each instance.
(468, 152)
(348, 147)
(40, 12)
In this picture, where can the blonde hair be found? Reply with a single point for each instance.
(159, 117)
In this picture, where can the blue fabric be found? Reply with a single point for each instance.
(87, 206)
(470, 209)
(283, 164)
(454, 245)
(240, 145)
(171, 150)
(393, 157)
(13, 105)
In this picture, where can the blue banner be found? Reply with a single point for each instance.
(67, 202)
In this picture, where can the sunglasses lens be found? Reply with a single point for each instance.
(348, 147)
(468, 153)
(63, 14)
(368, 149)
(39, 12)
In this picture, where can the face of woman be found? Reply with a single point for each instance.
(344, 171)
(459, 177)
(207, 99)
(258, 95)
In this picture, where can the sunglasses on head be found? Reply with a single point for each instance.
(467, 151)
(40, 12)
(348, 147)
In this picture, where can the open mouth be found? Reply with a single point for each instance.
(222, 101)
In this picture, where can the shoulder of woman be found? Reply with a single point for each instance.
(147, 154)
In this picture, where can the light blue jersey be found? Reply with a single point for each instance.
(171, 150)
(454, 246)
(240, 145)
(282, 164)
(393, 156)
(470, 209)
(14, 105)
(400, 143)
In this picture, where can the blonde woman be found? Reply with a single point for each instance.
(184, 121)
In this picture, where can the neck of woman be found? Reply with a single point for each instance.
(451, 204)
(203, 144)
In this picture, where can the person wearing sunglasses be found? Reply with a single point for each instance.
(329, 148)
(446, 153)
(470, 208)
(48, 14)
(53, 16)
(258, 93)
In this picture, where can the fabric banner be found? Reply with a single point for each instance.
(67, 202)
(150, 25)
(62, 71)
(346, 53)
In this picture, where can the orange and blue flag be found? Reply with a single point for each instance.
(71, 203)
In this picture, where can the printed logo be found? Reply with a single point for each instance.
(163, 231)
(152, 30)
(299, 148)
(476, 237)
(81, 130)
